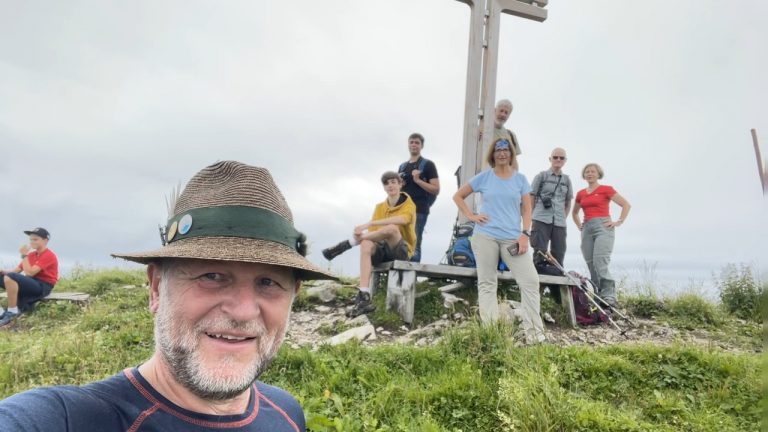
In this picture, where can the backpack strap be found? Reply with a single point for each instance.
(514, 140)
(402, 167)
(541, 183)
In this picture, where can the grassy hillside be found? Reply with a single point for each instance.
(473, 380)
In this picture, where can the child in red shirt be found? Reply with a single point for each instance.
(40, 268)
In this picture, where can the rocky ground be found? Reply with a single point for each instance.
(324, 321)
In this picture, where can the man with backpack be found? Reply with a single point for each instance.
(552, 194)
(421, 184)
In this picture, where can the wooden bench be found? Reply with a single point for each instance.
(401, 284)
(69, 296)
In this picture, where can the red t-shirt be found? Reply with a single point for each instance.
(595, 204)
(48, 263)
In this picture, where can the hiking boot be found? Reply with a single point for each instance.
(612, 304)
(363, 305)
(7, 317)
(334, 251)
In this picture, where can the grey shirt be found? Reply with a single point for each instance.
(547, 184)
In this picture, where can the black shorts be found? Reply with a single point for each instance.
(384, 253)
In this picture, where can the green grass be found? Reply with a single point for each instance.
(475, 379)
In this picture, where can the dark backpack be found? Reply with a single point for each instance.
(460, 252)
(586, 312)
(422, 163)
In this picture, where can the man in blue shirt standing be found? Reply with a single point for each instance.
(221, 289)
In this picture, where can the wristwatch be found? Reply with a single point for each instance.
(526, 232)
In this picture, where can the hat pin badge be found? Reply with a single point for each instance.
(185, 224)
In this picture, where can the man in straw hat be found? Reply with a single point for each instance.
(221, 290)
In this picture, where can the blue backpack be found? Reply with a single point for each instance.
(422, 163)
(460, 252)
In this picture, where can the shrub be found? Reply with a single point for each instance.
(740, 293)
(98, 281)
(644, 305)
(691, 311)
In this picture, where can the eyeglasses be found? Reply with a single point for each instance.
(506, 149)
(558, 157)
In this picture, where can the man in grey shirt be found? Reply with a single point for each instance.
(552, 194)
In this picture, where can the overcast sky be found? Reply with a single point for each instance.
(105, 106)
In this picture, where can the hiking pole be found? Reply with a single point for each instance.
(591, 295)
(613, 309)
(550, 259)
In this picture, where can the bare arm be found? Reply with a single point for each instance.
(575, 214)
(459, 198)
(28, 269)
(392, 220)
(567, 206)
(432, 186)
(625, 206)
(526, 211)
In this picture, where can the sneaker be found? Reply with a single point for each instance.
(334, 251)
(363, 305)
(7, 317)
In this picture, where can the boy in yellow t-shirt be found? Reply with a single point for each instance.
(389, 235)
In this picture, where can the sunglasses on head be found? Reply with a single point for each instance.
(502, 145)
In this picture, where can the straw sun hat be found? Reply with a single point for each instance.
(231, 211)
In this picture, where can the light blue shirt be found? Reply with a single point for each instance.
(501, 202)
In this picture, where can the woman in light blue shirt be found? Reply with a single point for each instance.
(505, 209)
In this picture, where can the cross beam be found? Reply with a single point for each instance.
(482, 63)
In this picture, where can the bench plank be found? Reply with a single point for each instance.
(448, 271)
(69, 296)
(401, 284)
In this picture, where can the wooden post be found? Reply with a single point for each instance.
(566, 300)
(482, 63)
(762, 166)
(401, 293)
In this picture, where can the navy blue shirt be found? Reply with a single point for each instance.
(419, 196)
(126, 402)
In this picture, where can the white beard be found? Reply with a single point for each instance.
(178, 342)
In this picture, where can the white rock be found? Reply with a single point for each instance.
(323, 309)
(323, 290)
(366, 332)
(359, 321)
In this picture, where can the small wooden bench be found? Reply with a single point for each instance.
(69, 296)
(401, 284)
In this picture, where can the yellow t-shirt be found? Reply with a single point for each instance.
(407, 209)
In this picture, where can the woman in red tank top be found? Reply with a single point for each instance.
(597, 229)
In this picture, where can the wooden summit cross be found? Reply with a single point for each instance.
(481, 76)
(480, 99)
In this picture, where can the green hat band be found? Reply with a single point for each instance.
(234, 221)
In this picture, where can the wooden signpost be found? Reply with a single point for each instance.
(480, 99)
